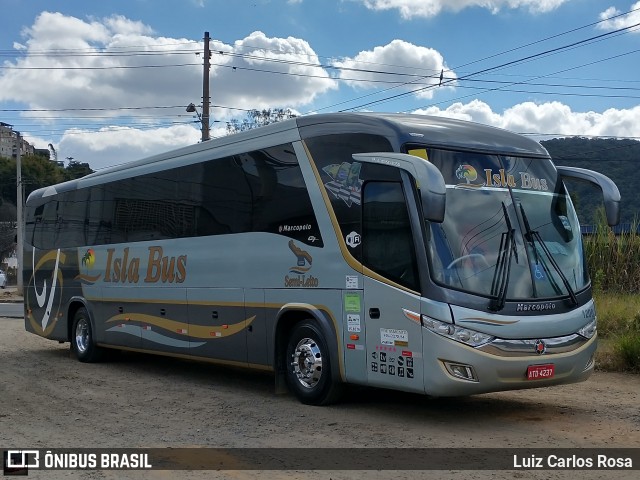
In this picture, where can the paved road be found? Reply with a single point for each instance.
(11, 310)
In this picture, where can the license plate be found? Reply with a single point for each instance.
(540, 372)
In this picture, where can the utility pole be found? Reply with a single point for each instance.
(206, 100)
(19, 200)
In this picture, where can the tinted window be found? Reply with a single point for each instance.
(387, 240)
(70, 218)
(343, 177)
(260, 191)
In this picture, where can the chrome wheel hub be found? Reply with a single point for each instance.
(82, 336)
(307, 362)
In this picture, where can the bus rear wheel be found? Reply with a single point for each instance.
(309, 366)
(82, 340)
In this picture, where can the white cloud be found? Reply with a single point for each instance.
(247, 87)
(270, 72)
(62, 67)
(417, 67)
(115, 145)
(632, 18)
(430, 8)
(82, 81)
(544, 118)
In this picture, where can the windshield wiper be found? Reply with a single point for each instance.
(501, 274)
(533, 237)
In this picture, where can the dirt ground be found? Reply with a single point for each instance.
(49, 400)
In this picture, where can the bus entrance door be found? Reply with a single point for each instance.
(394, 337)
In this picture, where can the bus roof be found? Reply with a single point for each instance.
(398, 128)
(430, 130)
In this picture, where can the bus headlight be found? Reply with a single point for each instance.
(459, 334)
(590, 329)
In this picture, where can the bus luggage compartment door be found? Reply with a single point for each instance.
(218, 323)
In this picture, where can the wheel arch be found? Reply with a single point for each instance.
(75, 304)
(290, 315)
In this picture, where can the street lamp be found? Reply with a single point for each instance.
(191, 108)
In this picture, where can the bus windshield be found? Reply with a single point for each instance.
(510, 230)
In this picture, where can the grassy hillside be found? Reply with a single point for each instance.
(618, 159)
(614, 260)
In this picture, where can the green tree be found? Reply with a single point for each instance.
(259, 118)
(617, 158)
(76, 170)
(37, 172)
(7, 229)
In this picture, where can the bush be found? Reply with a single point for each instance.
(628, 348)
(614, 260)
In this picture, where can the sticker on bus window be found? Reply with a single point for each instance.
(352, 302)
(419, 152)
(345, 182)
(467, 173)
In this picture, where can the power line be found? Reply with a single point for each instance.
(541, 76)
(465, 78)
(368, 71)
(504, 52)
(503, 65)
(111, 67)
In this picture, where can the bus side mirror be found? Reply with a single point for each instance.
(430, 182)
(609, 189)
(433, 193)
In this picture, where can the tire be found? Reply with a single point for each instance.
(308, 361)
(82, 340)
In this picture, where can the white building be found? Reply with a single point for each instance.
(8, 140)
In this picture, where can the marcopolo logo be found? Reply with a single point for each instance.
(294, 228)
(535, 307)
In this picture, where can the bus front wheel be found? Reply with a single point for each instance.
(309, 366)
(82, 340)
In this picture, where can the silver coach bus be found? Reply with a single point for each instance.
(399, 251)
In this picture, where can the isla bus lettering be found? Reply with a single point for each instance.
(503, 179)
(159, 268)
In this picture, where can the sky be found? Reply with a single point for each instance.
(108, 82)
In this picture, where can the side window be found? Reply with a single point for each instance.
(342, 177)
(44, 225)
(146, 208)
(279, 197)
(258, 191)
(387, 241)
(100, 224)
(70, 223)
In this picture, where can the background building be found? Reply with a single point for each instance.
(7, 142)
